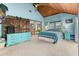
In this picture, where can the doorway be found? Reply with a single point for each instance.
(36, 27)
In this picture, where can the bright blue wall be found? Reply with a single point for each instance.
(53, 18)
(63, 17)
(68, 27)
(22, 10)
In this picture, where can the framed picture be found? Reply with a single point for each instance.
(69, 21)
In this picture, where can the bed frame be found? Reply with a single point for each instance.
(49, 35)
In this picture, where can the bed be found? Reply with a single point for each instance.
(53, 34)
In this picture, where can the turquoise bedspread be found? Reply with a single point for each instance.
(51, 34)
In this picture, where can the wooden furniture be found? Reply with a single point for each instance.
(67, 36)
(20, 24)
(51, 34)
(15, 38)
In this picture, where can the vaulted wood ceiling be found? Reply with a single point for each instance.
(47, 9)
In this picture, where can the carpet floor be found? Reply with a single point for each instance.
(36, 47)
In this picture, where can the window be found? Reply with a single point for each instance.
(58, 25)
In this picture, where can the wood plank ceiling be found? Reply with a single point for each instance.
(47, 9)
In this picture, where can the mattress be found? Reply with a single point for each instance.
(59, 34)
(55, 35)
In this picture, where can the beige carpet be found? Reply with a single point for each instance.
(41, 48)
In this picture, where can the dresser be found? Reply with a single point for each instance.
(14, 38)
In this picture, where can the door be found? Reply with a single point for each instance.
(36, 27)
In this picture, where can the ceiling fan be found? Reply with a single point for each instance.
(35, 5)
